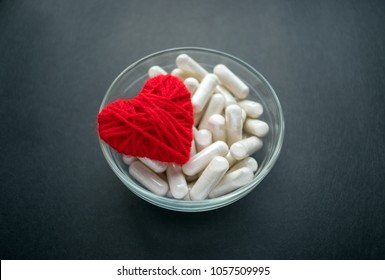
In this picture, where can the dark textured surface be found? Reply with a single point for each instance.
(325, 197)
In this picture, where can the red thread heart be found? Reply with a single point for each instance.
(156, 124)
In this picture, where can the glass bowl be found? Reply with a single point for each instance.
(131, 80)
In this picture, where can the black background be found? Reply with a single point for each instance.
(324, 199)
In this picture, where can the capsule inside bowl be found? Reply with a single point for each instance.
(257, 102)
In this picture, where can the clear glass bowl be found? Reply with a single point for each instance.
(132, 79)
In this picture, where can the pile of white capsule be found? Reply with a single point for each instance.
(227, 132)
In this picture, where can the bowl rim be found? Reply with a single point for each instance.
(202, 205)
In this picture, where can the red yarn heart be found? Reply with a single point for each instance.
(156, 124)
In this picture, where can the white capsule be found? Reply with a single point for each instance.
(198, 162)
(204, 92)
(233, 115)
(176, 181)
(209, 178)
(216, 125)
(128, 159)
(229, 98)
(230, 159)
(245, 147)
(256, 127)
(155, 71)
(191, 84)
(232, 181)
(156, 166)
(180, 74)
(189, 65)
(253, 109)
(148, 178)
(203, 138)
(231, 81)
(247, 162)
(215, 106)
